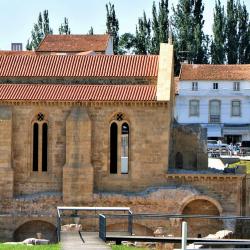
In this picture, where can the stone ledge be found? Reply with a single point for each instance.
(195, 177)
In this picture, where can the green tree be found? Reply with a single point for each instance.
(112, 25)
(218, 42)
(200, 40)
(91, 31)
(126, 44)
(143, 36)
(40, 30)
(190, 40)
(243, 34)
(159, 25)
(64, 28)
(183, 24)
(232, 40)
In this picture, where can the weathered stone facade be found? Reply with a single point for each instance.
(78, 159)
(189, 147)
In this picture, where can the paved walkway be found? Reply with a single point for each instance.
(72, 241)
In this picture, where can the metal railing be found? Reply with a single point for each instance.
(77, 212)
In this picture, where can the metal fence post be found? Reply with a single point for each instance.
(130, 222)
(102, 227)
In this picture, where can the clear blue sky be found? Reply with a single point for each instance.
(18, 16)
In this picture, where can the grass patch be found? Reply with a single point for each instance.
(121, 247)
(25, 247)
(246, 163)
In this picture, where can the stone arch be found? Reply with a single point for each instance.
(202, 205)
(29, 229)
(138, 229)
(201, 197)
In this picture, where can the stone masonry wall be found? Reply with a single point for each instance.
(189, 141)
(148, 146)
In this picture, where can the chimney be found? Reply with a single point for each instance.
(16, 46)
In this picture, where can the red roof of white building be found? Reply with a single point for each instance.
(215, 72)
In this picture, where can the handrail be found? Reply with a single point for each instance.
(181, 216)
(74, 209)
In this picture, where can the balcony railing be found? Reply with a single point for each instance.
(214, 119)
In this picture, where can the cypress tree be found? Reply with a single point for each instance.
(183, 30)
(218, 42)
(199, 49)
(155, 47)
(64, 28)
(91, 31)
(243, 34)
(40, 30)
(112, 25)
(190, 41)
(232, 41)
(143, 36)
(159, 25)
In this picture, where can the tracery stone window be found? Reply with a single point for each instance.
(119, 145)
(40, 144)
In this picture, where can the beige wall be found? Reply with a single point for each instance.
(148, 146)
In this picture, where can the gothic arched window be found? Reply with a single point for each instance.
(40, 144)
(119, 145)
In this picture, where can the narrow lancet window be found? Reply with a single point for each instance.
(113, 148)
(35, 146)
(124, 148)
(44, 147)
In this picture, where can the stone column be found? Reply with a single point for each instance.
(6, 171)
(78, 170)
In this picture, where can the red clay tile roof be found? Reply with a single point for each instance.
(73, 43)
(79, 66)
(15, 53)
(215, 72)
(35, 92)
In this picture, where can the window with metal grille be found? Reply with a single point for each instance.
(236, 108)
(214, 111)
(194, 107)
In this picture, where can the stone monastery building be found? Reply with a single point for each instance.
(95, 130)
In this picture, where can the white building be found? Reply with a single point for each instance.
(218, 98)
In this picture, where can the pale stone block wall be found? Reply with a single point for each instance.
(6, 171)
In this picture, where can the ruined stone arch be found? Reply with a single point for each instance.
(200, 197)
(29, 228)
(202, 205)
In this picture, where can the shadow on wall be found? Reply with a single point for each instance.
(31, 228)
